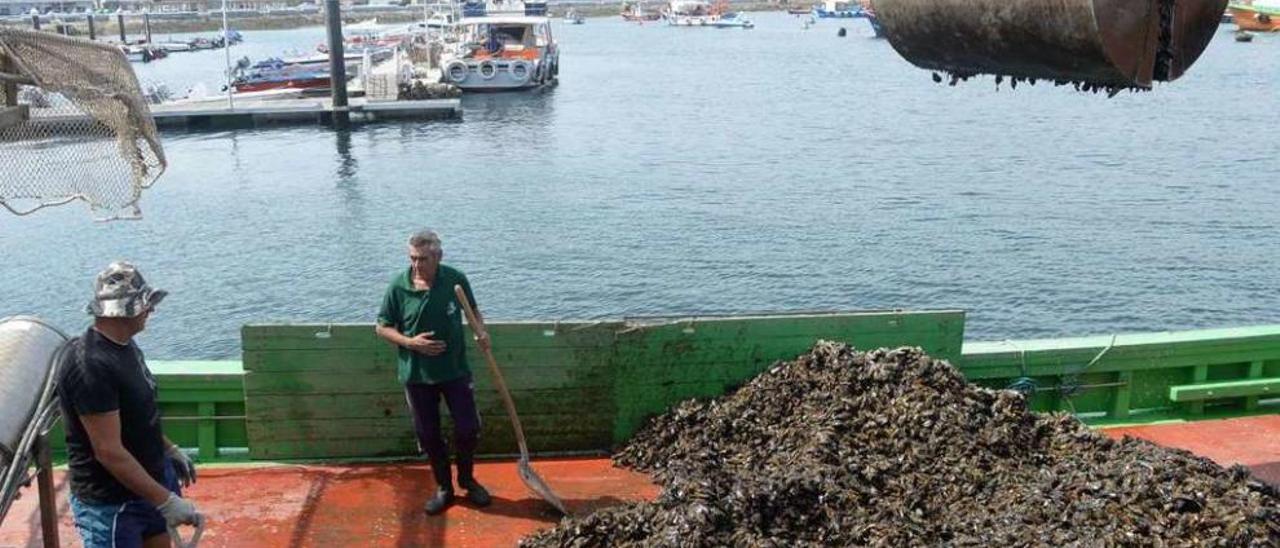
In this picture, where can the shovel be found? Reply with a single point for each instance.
(527, 475)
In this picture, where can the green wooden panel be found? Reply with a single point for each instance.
(1229, 389)
(356, 448)
(332, 385)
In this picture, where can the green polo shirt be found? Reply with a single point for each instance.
(414, 311)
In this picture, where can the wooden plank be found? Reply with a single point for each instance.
(362, 336)
(407, 446)
(365, 361)
(1197, 393)
(257, 384)
(393, 406)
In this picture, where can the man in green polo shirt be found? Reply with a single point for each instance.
(421, 316)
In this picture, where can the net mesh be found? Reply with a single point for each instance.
(74, 125)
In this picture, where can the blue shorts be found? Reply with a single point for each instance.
(122, 525)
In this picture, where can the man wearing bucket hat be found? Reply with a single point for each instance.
(126, 476)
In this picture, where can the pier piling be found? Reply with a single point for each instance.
(337, 65)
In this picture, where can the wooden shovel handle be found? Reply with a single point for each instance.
(479, 329)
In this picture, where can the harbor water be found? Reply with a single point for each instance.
(698, 171)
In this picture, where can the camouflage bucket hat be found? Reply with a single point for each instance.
(121, 292)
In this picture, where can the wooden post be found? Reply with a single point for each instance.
(1255, 372)
(44, 484)
(35, 21)
(1120, 399)
(10, 88)
(207, 431)
(93, 32)
(337, 65)
(120, 22)
(146, 24)
(1199, 375)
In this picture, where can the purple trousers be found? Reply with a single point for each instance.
(424, 405)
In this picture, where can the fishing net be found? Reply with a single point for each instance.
(74, 125)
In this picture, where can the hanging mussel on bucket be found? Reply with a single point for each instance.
(1097, 45)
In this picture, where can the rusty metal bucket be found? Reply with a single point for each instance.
(1101, 45)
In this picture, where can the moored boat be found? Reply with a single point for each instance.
(733, 20)
(635, 12)
(1256, 18)
(572, 17)
(503, 51)
(837, 9)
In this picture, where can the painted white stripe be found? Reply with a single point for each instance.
(114, 519)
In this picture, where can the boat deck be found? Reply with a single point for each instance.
(1251, 441)
(365, 505)
(266, 505)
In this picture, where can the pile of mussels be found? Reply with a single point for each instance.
(891, 447)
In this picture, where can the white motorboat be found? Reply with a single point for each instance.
(502, 51)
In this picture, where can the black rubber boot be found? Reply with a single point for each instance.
(444, 487)
(476, 493)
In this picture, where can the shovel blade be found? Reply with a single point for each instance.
(539, 487)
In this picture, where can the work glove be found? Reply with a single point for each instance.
(182, 465)
(179, 511)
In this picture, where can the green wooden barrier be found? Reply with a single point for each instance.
(1112, 376)
(319, 391)
(201, 407)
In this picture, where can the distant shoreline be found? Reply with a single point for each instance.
(107, 29)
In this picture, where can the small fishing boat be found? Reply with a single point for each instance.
(799, 11)
(297, 78)
(733, 20)
(572, 17)
(691, 13)
(143, 53)
(635, 12)
(837, 9)
(1256, 17)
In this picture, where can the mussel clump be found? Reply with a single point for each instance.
(894, 448)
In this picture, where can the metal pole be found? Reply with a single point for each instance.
(44, 483)
(93, 32)
(146, 24)
(120, 21)
(337, 65)
(226, 45)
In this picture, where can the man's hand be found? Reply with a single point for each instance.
(179, 511)
(182, 464)
(482, 341)
(424, 344)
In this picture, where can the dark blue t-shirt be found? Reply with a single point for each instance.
(99, 376)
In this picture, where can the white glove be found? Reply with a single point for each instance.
(179, 511)
(182, 465)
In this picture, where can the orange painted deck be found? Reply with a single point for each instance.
(365, 505)
(1251, 441)
(381, 504)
